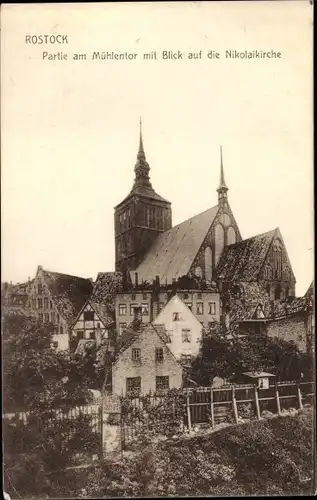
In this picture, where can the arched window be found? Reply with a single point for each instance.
(208, 264)
(231, 236)
(219, 242)
(277, 259)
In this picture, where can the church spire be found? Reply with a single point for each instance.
(222, 189)
(142, 167)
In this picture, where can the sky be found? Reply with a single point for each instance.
(70, 128)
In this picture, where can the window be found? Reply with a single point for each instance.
(136, 354)
(185, 358)
(80, 335)
(41, 316)
(186, 335)
(208, 264)
(61, 330)
(53, 318)
(159, 354)
(277, 292)
(133, 296)
(92, 335)
(133, 385)
(57, 318)
(145, 309)
(88, 315)
(190, 306)
(34, 303)
(98, 326)
(169, 336)
(132, 307)
(40, 303)
(212, 308)
(199, 296)
(200, 308)
(162, 383)
(39, 289)
(177, 316)
(45, 303)
(51, 304)
(122, 310)
(185, 296)
(144, 296)
(47, 317)
(122, 327)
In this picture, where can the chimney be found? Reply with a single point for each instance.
(136, 279)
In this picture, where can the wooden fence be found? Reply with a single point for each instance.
(212, 406)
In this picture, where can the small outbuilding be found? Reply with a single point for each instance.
(261, 379)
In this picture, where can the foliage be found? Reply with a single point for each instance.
(157, 415)
(256, 458)
(228, 359)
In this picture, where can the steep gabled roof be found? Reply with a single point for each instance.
(243, 261)
(174, 251)
(107, 285)
(68, 292)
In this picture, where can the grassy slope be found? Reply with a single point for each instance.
(269, 457)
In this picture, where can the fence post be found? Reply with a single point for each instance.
(234, 405)
(188, 413)
(300, 400)
(212, 408)
(257, 404)
(277, 397)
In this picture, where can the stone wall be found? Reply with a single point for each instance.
(293, 329)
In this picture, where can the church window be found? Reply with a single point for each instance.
(286, 292)
(53, 318)
(208, 264)
(40, 303)
(46, 317)
(231, 236)
(219, 242)
(45, 303)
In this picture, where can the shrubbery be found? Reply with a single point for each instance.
(272, 457)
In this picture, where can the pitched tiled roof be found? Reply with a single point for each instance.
(107, 285)
(242, 261)
(130, 335)
(69, 293)
(282, 308)
(173, 251)
(102, 310)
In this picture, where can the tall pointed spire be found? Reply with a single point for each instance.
(141, 154)
(223, 188)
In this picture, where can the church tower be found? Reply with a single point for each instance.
(222, 189)
(140, 217)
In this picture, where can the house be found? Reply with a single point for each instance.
(144, 363)
(260, 379)
(205, 304)
(183, 329)
(293, 320)
(96, 319)
(57, 299)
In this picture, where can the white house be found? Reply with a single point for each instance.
(183, 329)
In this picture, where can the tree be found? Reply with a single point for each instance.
(229, 356)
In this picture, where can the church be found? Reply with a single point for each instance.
(204, 255)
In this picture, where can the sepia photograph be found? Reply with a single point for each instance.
(157, 288)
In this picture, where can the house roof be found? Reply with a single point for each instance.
(103, 312)
(103, 296)
(174, 251)
(130, 335)
(68, 292)
(282, 308)
(243, 261)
